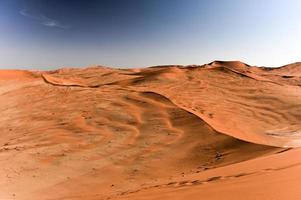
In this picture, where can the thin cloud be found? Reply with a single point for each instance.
(43, 20)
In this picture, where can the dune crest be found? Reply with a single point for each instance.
(267, 108)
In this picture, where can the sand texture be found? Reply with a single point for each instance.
(224, 130)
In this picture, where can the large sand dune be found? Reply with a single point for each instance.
(225, 130)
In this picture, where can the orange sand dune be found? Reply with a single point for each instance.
(216, 131)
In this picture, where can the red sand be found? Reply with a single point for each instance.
(217, 131)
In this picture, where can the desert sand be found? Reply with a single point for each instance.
(223, 130)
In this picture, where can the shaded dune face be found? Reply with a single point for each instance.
(99, 132)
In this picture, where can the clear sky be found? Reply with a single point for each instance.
(47, 34)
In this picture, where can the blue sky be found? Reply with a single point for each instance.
(48, 34)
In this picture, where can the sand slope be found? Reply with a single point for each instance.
(160, 132)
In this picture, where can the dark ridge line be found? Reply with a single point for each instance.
(87, 86)
(284, 150)
(245, 75)
(71, 85)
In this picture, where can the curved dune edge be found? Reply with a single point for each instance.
(61, 82)
(143, 80)
(73, 83)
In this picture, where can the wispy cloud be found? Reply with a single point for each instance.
(43, 20)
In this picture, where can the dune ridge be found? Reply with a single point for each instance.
(268, 90)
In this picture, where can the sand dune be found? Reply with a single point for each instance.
(164, 132)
